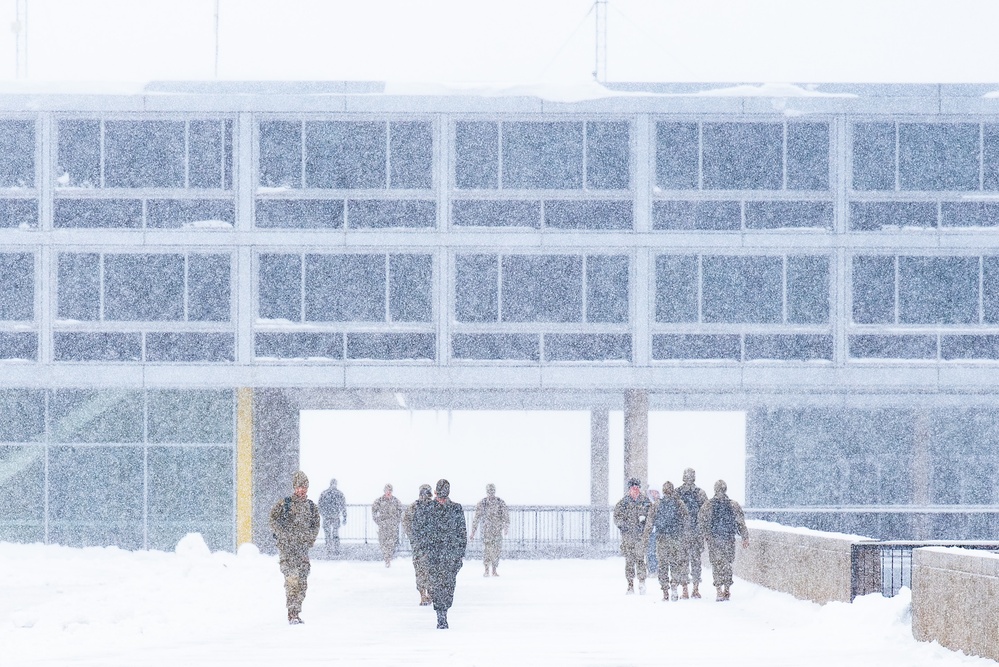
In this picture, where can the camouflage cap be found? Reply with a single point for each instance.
(299, 480)
(443, 488)
(426, 491)
(490, 489)
(721, 486)
(688, 476)
(634, 481)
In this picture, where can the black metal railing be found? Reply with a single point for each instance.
(886, 567)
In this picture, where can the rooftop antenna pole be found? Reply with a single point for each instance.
(20, 29)
(600, 67)
(216, 39)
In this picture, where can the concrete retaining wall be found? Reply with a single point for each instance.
(808, 564)
(955, 599)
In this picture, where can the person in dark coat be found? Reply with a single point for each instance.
(333, 510)
(439, 528)
(420, 566)
(295, 523)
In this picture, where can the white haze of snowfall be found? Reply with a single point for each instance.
(104, 607)
(522, 41)
(534, 458)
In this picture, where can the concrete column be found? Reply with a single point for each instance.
(599, 470)
(636, 436)
(921, 467)
(275, 458)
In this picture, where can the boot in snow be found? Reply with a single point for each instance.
(441, 619)
(495, 574)
(696, 594)
(486, 573)
(685, 595)
(631, 588)
(728, 593)
(720, 597)
(672, 593)
(641, 588)
(665, 594)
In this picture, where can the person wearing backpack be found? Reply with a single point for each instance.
(694, 498)
(721, 519)
(668, 520)
(295, 524)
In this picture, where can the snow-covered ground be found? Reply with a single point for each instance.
(104, 607)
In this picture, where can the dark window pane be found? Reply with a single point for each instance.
(794, 347)
(96, 213)
(97, 346)
(19, 345)
(543, 156)
(969, 347)
(691, 215)
(227, 150)
(893, 347)
(345, 155)
(808, 289)
(22, 415)
(280, 288)
(587, 347)
(79, 154)
(607, 156)
(190, 213)
(542, 288)
(874, 156)
(742, 289)
(208, 288)
(143, 287)
(22, 494)
(19, 213)
(873, 289)
(519, 347)
(105, 415)
(562, 214)
(691, 346)
(606, 288)
(789, 214)
(969, 214)
(281, 154)
(79, 287)
(144, 154)
(17, 153)
(938, 290)
(743, 156)
(345, 288)
(808, 156)
(676, 156)
(299, 213)
(873, 216)
(179, 416)
(205, 473)
(176, 346)
(990, 289)
(491, 213)
(938, 156)
(205, 147)
(990, 159)
(411, 155)
(476, 155)
(476, 288)
(17, 284)
(410, 288)
(676, 288)
(298, 345)
(391, 346)
(379, 213)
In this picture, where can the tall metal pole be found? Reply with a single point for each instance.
(600, 66)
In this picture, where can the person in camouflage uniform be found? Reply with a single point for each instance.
(387, 513)
(492, 513)
(668, 521)
(694, 498)
(421, 564)
(721, 519)
(630, 514)
(333, 510)
(295, 524)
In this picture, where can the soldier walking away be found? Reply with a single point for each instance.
(630, 515)
(492, 513)
(295, 524)
(440, 530)
(333, 510)
(721, 520)
(420, 558)
(668, 523)
(694, 498)
(387, 513)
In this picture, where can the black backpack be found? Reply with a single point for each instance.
(723, 519)
(667, 521)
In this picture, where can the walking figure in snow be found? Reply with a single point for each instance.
(630, 515)
(295, 524)
(492, 513)
(420, 558)
(439, 528)
(650, 538)
(721, 520)
(333, 510)
(387, 513)
(694, 498)
(668, 522)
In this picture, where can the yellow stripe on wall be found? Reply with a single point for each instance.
(244, 465)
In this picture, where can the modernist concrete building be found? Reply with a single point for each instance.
(184, 267)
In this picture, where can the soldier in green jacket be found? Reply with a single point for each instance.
(492, 513)
(721, 520)
(668, 520)
(630, 515)
(295, 524)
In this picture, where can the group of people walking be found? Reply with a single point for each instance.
(679, 524)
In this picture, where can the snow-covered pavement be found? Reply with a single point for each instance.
(104, 607)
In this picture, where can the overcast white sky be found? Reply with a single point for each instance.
(522, 41)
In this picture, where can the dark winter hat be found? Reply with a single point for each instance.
(668, 489)
(426, 491)
(333, 482)
(721, 486)
(490, 489)
(299, 480)
(388, 488)
(634, 481)
(688, 476)
(443, 488)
